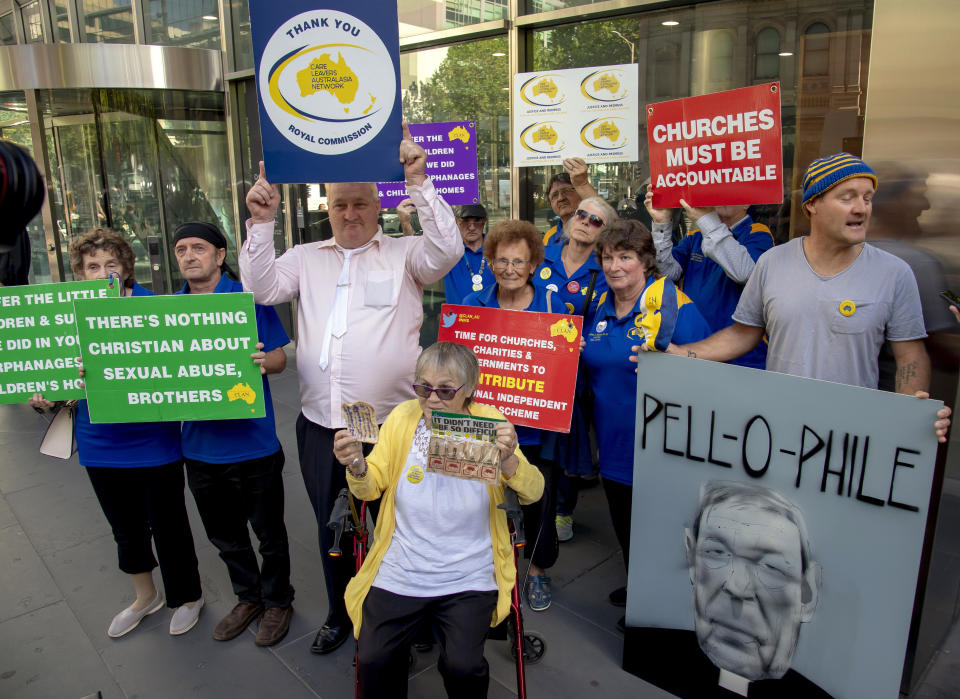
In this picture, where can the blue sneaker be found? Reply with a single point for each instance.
(538, 592)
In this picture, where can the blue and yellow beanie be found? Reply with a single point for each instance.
(826, 173)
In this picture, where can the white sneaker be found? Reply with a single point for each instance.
(127, 620)
(185, 618)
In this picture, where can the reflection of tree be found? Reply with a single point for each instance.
(468, 84)
(585, 44)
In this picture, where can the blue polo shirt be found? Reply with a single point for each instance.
(571, 290)
(230, 441)
(554, 234)
(126, 444)
(716, 294)
(488, 299)
(458, 283)
(611, 373)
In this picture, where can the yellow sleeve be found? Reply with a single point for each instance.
(527, 482)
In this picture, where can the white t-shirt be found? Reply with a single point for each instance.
(441, 544)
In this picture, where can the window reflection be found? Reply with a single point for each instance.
(32, 26)
(8, 34)
(176, 23)
(717, 46)
(106, 21)
(424, 16)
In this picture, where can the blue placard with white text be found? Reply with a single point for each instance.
(328, 80)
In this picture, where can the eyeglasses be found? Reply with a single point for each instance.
(473, 221)
(501, 264)
(592, 219)
(557, 193)
(443, 393)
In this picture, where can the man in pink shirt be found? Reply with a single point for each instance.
(359, 315)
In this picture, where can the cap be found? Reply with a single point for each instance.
(472, 211)
(826, 173)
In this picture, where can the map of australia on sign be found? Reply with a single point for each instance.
(545, 133)
(545, 87)
(326, 75)
(608, 129)
(607, 82)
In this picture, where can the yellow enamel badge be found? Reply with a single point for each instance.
(847, 308)
(545, 273)
(415, 473)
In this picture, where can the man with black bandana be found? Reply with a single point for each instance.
(234, 467)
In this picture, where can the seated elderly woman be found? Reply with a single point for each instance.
(441, 552)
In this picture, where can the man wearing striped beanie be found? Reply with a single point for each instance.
(829, 300)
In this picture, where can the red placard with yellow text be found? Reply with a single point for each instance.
(528, 361)
(716, 150)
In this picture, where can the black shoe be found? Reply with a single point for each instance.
(423, 646)
(330, 637)
(622, 624)
(618, 598)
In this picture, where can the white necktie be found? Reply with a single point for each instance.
(337, 322)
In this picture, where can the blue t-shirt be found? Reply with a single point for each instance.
(488, 298)
(126, 444)
(611, 373)
(230, 441)
(572, 291)
(554, 234)
(459, 281)
(716, 294)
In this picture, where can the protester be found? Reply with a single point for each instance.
(513, 250)
(827, 301)
(136, 470)
(628, 257)
(714, 261)
(234, 467)
(472, 271)
(571, 270)
(359, 315)
(441, 552)
(564, 191)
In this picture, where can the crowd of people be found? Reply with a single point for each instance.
(441, 566)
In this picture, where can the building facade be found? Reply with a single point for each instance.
(143, 114)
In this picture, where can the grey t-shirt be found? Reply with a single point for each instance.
(831, 328)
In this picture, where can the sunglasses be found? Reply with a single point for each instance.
(592, 219)
(443, 393)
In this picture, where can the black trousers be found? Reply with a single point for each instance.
(145, 503)
(539, 525)
(230, 495)
(620, 501)
(324, 477)
(390, 623)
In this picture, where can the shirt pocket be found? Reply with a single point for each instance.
(381, 289)
(852, 316)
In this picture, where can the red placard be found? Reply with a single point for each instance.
(528, 361)
(717, 149)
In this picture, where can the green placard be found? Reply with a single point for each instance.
(170, 358)
(38, 339)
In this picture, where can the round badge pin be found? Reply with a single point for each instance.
(545, 273)
(573, 286)
(601, 326)
(847, 308)
(415, 473)
(477, 279)
(478, 287)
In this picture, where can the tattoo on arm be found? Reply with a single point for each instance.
(905, 374)
(691, 353)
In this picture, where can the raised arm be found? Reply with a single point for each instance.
(662, 233)
(577, 169)
(720, 245)
(440, 247)
(271, 280)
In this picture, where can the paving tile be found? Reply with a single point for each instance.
(58, 515)
(46, 653)
(150, 663)
(331, 676)
(26, 584)
(7, 518)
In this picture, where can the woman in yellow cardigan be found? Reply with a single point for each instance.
(441, 552)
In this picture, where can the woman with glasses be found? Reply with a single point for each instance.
(136, 471)
(514, 250)
(642, 303)
(441, 552)
(571, 270)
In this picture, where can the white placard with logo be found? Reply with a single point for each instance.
(589, 113)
